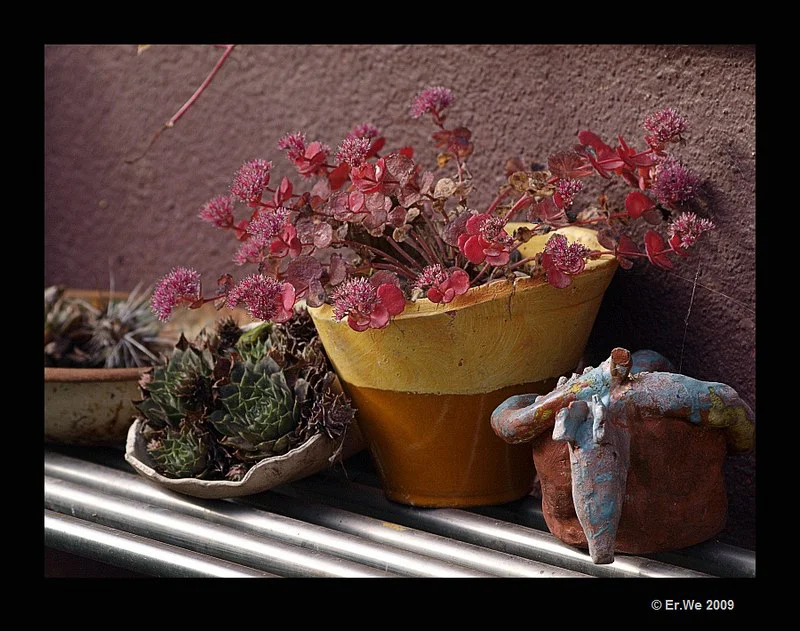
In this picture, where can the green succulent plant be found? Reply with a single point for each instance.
(169, 389)
(180, 453)
(259, 409)
(234, 397)
(255, 344)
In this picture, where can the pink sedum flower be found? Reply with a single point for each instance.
(353, 150)
(686, 229)
(364, 130)
(267, 224)
(307, 159)
(181, 285)
(443, 285)
(251, 180)
(294, 144)
(486, 240)
(250, 251)
(432, 100)
(566, 190)
(664, 126)
(365, 305)
(218, 211)
(560, 261)
(674, 184)
(264, 297)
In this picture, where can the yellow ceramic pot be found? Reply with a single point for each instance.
(426, 385)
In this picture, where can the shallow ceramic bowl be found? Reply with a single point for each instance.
(307, 459)
(93, 406)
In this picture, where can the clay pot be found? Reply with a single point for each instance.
(675, 493)
(93, 406)
(426, 385)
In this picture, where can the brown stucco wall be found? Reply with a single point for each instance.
(103, 103)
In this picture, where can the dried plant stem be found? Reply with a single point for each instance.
(686, 319)
(185, 107)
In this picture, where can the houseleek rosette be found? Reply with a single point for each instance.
(234, 397)
(258, 409)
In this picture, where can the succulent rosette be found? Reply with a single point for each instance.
(232, 398)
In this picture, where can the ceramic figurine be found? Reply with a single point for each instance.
(626, 451)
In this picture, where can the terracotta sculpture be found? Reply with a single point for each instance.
(607, 417)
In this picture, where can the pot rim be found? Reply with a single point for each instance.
(87, 375)
(501, 287)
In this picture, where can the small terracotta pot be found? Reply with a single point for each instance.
(675, 493)
(426, 385)
(93, 406)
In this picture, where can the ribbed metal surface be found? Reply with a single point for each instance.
(483, 531)
(326, 525)
(197, 534)
(244, 518)
(132, 552)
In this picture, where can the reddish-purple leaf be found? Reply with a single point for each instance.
(302, 271)
(375, 147)
(315, 296)
(656, 249)
(607, 239)
(590, 139)
(384, 276)
(337, 269)
(455, 228)
(284, 192)
(400, 167)
(627, 246)
(567, 165)
(339, 176)
(323, 235)
(397, 217)
(637, 203)
(652, 216)
(426, 182)
(408, 152)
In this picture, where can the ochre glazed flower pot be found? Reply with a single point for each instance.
(426, 385)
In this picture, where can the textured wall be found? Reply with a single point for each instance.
(103, 103)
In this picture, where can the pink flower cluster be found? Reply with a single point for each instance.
(364, 130)
(442, 285)
(566, 190)
(251, 180)
(664, 126)
(561, 261)
(264, 297)
(218, 211)
(674, 184)
(686, 229)
(308, 160)
(181, 285)
(486, 240)
(354, 150)
(432, 100)
(367, 304)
